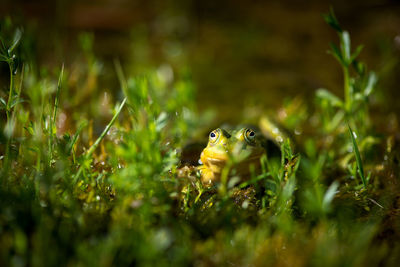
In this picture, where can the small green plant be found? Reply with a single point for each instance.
(280, 179)
(357, 88)
(335, 113)
(7, 55)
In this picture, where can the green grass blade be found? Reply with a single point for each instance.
(97, 142)
(358, 157)
(75, 139)
(121, 76)
(52, 131)
(104, 133)
(57, 99)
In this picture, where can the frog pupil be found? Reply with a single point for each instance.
(212, 135)
(251, 134)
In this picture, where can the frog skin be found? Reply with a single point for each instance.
(240, 148)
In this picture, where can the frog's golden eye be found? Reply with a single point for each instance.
(249, 135)
(214, 135)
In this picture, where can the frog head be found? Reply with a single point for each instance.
(241, 148)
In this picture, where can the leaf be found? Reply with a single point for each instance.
(16, 100)
(359, 97)
(356, 53)
(329, 195)
(254, 180)
(359, 67)
(369, 141)
(285, 197)
(358, 157)
(331, 98)
(372, 79)
(16, 39)
(3, 103)
(334, 123)
(29, 129)
(345, 47)
(336, 53)
(331, 20)
(3, 57)
(76, 135)
(161, 121)
(57, 98)
(3, 50)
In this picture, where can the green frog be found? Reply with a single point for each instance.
(241, 148)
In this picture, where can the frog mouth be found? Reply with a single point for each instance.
(243, 167)
(216, 161)
(223, 158)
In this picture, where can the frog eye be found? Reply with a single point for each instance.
(214, 135)
(249, 135)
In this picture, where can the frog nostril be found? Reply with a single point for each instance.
(225, 146)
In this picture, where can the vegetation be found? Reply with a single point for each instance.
(68, 197)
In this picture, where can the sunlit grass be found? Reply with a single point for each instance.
(117, 193)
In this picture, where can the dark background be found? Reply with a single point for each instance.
(241, 53)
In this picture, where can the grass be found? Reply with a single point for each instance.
(88, 183)
(358, 157)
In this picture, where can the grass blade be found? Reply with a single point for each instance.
(101, 137)
(358, 157)
(104, 133)
(57, 99)
(52, 130)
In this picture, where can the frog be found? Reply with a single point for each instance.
(240, 148)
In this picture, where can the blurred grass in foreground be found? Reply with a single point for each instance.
(70, 198)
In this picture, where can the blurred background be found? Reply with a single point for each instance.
(241, 54)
